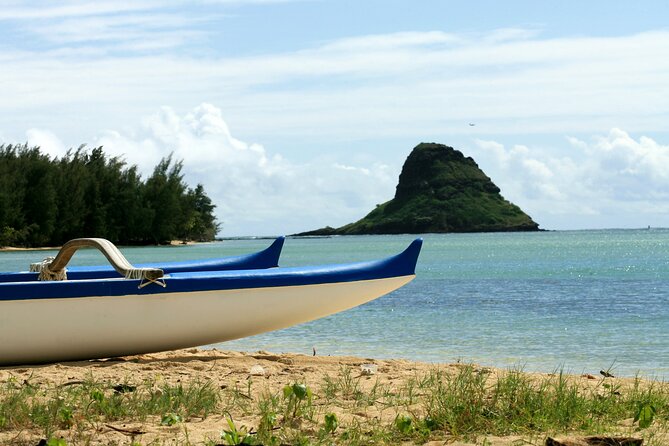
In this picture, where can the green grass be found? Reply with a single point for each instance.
(84, 405)
(470, 404)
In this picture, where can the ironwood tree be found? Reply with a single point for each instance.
(86, 193)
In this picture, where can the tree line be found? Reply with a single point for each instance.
(46, 202)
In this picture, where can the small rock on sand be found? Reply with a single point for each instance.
(257, 370)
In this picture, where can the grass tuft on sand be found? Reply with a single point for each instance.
(211, 398)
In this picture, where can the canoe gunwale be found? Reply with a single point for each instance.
(402, 264)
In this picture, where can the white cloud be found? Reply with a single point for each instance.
(256, 192)
(537, 169)
(118, 29)
(613, 176)
(405, 84)
(391, 41)
(46, 10)
(510, 34)
(48, 142)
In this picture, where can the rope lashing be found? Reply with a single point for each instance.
(147, 275)
(53, 268)
(45, 273)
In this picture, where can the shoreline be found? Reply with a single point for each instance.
(366, 392)
(16, 248)
(57, 248)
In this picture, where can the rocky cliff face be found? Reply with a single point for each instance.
(440, 190)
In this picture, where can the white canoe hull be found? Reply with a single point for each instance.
(48, 330)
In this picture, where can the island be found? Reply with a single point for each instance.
(439, 191)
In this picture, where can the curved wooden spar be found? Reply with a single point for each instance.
(55, 269)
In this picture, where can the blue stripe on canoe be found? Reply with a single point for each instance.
(403, 264)
(267, 258)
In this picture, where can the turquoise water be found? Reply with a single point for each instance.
(578, 300)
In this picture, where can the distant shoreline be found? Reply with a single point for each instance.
(15, 248)
(265, 237)
(57, 248)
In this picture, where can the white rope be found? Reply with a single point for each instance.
(143, 274)
(37, 267)
(135, 273)
(160, 281)
(45, 274)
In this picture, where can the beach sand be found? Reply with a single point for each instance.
(251, 374)
(16, 248)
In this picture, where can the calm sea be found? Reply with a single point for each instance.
(582, 301)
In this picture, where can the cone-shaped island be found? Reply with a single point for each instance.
(440, 190)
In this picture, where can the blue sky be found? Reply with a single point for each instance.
(299, 114)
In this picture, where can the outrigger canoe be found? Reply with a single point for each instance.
(267, 258)
(49, 321)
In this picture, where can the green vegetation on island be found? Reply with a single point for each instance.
(440, 190)
(45, 201)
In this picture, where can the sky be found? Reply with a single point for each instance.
(297, 114)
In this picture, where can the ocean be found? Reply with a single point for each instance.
(578, 301)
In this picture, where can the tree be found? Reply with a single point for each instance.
(86, 194)
(201, 223)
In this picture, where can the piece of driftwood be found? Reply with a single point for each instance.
(129, 431)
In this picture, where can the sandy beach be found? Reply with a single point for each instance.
(16, 248)
(56, 248)
(244, 379)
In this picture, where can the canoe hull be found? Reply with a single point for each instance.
(59, 329)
